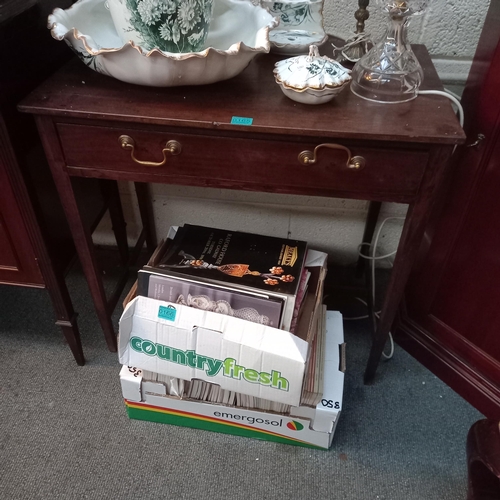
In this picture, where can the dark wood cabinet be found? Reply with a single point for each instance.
(18, 263)
(450, 319)
(36, 246)
(29, 211)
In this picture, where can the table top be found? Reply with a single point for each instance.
(76, 91)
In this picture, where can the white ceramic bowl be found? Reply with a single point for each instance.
(239, 31)
(311, 79)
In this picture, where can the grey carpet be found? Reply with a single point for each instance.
(64, 432)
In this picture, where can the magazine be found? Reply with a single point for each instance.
(251, 307)
(238, 258)
(246, 262)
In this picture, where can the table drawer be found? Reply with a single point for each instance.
(266, 164)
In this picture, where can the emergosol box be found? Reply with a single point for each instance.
(304, 426)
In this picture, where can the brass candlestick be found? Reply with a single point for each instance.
(357, 46)
(361, 15)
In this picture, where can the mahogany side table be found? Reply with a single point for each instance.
(83, 116)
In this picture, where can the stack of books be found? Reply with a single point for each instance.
(261, 279)
(253, 277)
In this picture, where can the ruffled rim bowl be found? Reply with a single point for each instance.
(99, 37)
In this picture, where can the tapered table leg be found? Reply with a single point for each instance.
(119, 226)
(65, 314)
(81, 233)
(147, 216)
(411, 237)
(371, 223)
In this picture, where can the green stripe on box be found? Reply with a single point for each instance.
(164, 416)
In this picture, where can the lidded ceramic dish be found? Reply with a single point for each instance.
(311, 79)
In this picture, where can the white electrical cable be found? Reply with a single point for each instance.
(375, 244)
(452, 98)
(373, 257)
(453, 94)
(379, 257)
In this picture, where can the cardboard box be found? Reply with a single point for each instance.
(238, 355)
(310, 427)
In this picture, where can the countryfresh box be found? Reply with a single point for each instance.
(304, 426)
(238, 355)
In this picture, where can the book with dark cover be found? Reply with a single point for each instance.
(246, 260)
(208, 297)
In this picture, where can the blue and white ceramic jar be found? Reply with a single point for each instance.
(300, 25)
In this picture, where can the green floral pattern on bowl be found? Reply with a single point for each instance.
(179, 26)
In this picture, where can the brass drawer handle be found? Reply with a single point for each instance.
(172, 147)
(353, 162)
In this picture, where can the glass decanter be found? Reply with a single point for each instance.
(390, 72)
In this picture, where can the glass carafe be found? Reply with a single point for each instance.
(390, 71)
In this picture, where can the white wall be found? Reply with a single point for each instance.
(449, 28)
